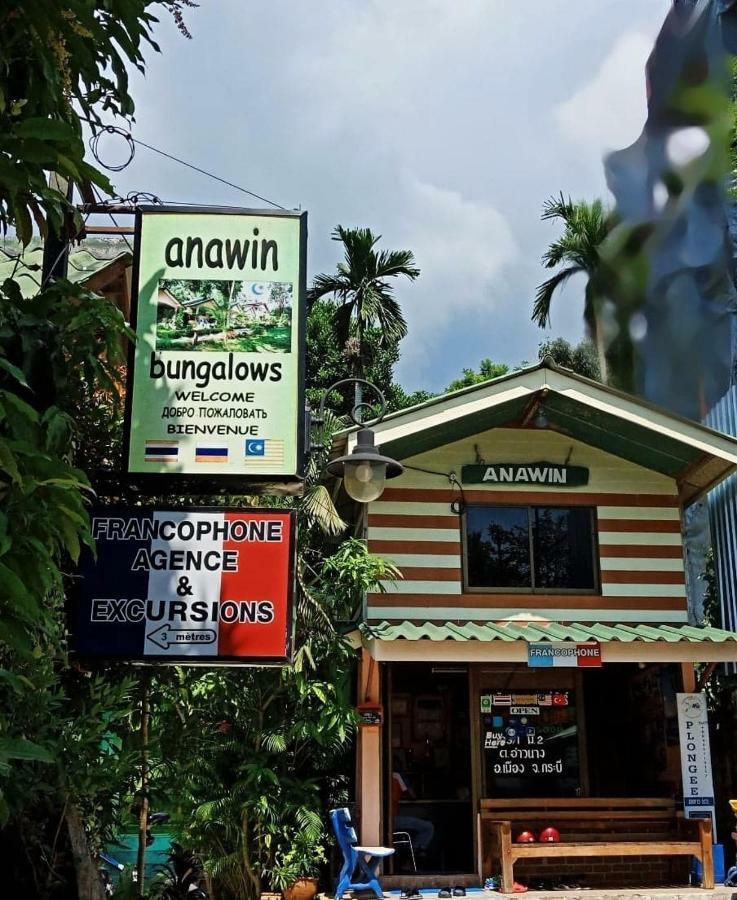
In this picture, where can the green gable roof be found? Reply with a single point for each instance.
(595, 414)
(542, 631)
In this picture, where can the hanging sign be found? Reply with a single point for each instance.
(693, 728)
(548, 474)
(564, 654)
(198, 585)
(215, 381)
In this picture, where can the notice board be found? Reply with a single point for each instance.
(530, 744)
(187, 585)
(216, 374)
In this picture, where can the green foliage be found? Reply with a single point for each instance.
(487, 370)
(180, 879)
(260, 753)
(363, 291)
(582, 358)
(64, 739)
(576, 251)
(62, 63)
(352, 571)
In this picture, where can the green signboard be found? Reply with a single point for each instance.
(543, 473)
(216, 382)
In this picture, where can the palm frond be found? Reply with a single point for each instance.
(322, 285)
(318, 508)
(380, 306)
(544, 294)
(392, 263)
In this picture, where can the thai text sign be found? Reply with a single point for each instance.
(549, 474)
(215, 378)
(172, 585)
(564, 653)
(693, 728)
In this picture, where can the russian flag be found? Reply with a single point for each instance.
(211, 453)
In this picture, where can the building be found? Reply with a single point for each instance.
(537, 512)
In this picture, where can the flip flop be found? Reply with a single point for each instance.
(519, 888)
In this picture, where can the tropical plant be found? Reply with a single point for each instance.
(261, 753)
(302, 859)
(62, 65)
(181, 878)
(363, 290)
(581, 358)
(586, 225)
(487, 370)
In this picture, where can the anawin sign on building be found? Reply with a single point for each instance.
(215, 383)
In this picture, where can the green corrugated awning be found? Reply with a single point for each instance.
(543, 631)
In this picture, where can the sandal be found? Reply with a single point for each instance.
(519, 888)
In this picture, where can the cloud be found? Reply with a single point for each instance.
(462, 248)
(609, 111)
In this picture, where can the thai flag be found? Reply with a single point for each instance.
(161, 451)
(211, 453)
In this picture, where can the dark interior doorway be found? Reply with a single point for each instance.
(429, 767)
(632, 729)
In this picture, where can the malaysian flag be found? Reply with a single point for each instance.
(264, 454)
(161, 451)
(211, 453)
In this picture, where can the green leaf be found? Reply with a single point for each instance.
(14, 371)
(8, 463)
(20, 748)
(46, 129)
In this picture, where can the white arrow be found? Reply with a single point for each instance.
(166, 636)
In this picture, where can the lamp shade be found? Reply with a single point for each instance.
(364, 480)
(365, 470)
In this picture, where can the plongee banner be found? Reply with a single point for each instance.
(215, 384)
(698, 785)
(194, 585)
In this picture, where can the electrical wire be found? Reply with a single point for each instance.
(457, 506)
(132, 142)
(112, 217)
(94, 142)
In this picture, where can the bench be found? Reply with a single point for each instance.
(590, 826)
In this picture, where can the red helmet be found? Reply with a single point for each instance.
(550, 835)
(526, 837)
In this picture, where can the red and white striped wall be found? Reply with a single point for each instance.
(640, 549)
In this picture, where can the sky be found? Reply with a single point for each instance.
(442, 125)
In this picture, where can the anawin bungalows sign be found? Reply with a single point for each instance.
(549, 474)
(215, 384)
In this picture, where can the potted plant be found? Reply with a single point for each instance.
(297, 868)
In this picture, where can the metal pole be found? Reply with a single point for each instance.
(56, 246)
(143, 814)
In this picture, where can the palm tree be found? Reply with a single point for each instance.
(366, 298)
(586, 227)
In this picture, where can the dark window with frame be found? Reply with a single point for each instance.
(530, 548)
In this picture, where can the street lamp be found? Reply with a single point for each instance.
(365, 470)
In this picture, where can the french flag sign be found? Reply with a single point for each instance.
(201, 585)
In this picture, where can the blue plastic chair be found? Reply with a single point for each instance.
(365, 859)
